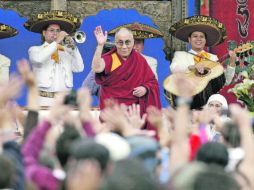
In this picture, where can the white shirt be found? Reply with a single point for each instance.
(52, 76)
(182, 60)
(152, 62)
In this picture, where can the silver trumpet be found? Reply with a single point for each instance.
(78, 37)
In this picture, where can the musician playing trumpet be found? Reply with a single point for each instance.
(200, 31)
(57, 58)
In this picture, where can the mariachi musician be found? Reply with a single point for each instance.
(53, 63)
(200, 31)
(5, 32)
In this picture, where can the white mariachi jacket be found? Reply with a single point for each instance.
(46, 68)
(182, 60)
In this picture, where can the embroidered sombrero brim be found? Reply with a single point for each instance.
(140, 31)
(215, 30)
(7, 31)
(65, 20)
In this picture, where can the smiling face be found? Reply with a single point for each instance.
(124, 42)
(197, 41)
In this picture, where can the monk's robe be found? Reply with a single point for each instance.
(120, 77)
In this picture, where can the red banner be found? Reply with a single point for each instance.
(204, 7)
(238, 17)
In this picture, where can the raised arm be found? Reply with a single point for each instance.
(243, 120)
(32, 96)
(98, 64)
(180, 148)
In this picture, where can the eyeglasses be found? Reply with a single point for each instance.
(52, 30)
(121, 43)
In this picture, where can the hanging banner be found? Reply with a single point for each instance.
(238, 17)
(204, 7)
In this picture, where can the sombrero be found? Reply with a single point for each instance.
(67, 21)
(140, 31)
(7, 31)
(215, 30)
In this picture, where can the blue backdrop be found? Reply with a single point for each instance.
(16, 47)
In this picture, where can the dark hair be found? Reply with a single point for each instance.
(197, 31)
(7, 168)
(88, 149)
(64, 142)
(129, 174)
(215, 178)
(139, 39)
(71, 98)
(213, 153)
(200, 176)
(231, 134)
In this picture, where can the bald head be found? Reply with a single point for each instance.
(124, 32)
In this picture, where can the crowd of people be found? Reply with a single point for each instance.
(135, 144)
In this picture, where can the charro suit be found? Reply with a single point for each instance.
(52, 76)
(182, 60)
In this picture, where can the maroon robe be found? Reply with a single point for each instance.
(119, 84)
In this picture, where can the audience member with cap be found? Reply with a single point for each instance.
(217, 108)
(5, 32)
(52, 62)
(217, 104)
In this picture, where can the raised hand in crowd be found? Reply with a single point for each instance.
(121, 123)
(243, 121)
(133, 114)
(6, 125)
(180, 144)
(26, 73)
(84, 101)
(58, 110)
(115, 117)
(185, 86)
(32, 96)
(156, 118)
(10, 90)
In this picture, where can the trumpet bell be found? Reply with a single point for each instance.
(80, 37)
